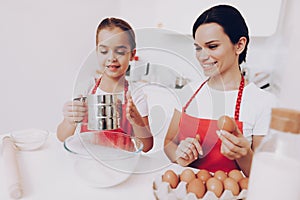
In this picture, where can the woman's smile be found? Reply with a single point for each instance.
(209, 68)
(209, 65)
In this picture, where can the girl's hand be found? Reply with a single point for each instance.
(188, 151)
(234, 146)
(132, 113)
(74, 111)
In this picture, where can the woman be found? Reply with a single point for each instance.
(115, 40)
(221, 40)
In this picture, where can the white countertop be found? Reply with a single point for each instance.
(48, 173)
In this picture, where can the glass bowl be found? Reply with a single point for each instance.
(30, 139)
(103, 158)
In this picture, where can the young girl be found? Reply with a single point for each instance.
(193, 139)
(115, 40)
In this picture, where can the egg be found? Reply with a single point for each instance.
(170, 177)
(232, 185)
(236, 175)
(197, 187)
(187, 175)
(214, 185)
(226, 123)
(203, 175)
(244, 183)
(221, 175)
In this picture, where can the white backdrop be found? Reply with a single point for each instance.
(43, 43)
(290, 71)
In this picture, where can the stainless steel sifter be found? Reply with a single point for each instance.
(104, 111)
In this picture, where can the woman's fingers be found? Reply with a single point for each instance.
(197, 145)
(233, 147)
(194, 153)
(190, 151)
(226, 152)
(189, 148)
(181, 154)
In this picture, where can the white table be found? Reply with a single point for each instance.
(48, 173)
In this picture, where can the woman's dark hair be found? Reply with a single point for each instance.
(232, 22)
(111, 23)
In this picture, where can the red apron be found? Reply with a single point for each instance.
(211, 160)
(125, 126)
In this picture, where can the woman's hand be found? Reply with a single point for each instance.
(188, 151)
(74, 111)
(132, 113)
(234, 145)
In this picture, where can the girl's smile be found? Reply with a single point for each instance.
(113, 68)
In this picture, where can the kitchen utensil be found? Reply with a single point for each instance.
(30, 139)
(276, 162)
(104, 158)
(180, 82)
(11, 168)
(104, 111)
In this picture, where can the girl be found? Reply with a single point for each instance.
(115, 40)
(221, 40)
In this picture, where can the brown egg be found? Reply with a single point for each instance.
(226, 123)
(170, 177)
(187, 175)
(214, 185)
(197, 187)
(221, 175)
(236, 175)
(232, 185)
(244, 183)
(203, 175)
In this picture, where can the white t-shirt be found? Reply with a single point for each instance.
(138, 96)
(255, 110)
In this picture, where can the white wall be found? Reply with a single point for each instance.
(279, 56)
(290, 70)
(44, 43)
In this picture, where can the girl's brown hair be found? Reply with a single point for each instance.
(115, 22)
